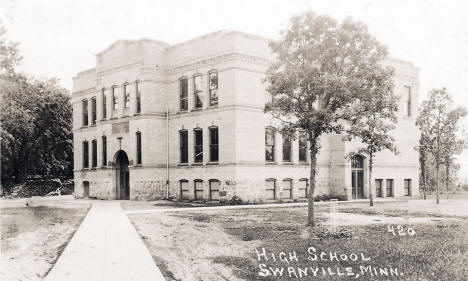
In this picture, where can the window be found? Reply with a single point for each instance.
(214, 144)
(407, 101)
(198, 91)
(269, 144)
(302, 190)
(198, 133)
(213, 77)
(84, 106)
(94, 162)
(357, 162)
(287, 189)
(138, 144)
(389, 188)
(104, 104)
(183, 88)
(183, 136)
(126, 96)
(85, 155)
(104, 151)
(93, 111)
(378, 187)
(270, 189)
(214, 190)
(198, 189)
(184, 190)
(407, 187)
(302, 146)
(114, 98)
(286, 148)
(138, 97)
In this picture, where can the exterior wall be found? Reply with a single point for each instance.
(240, 61)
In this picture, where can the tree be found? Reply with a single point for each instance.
(321, 68)
(372, 127)
(440, 123)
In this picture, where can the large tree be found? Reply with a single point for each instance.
(321, 69)
(438, 122)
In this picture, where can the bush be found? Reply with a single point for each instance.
(235, 200)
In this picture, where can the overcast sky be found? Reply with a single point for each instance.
(59, 38)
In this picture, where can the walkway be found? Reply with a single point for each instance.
(105, 247)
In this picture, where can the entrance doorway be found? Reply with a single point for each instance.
(357, 177)
(122, 176)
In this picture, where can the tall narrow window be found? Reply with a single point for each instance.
(287, 189)
(114, 98)
(183, 88)
(407, 187)
(104, 104)
(389, 188)
(126, 96)
(138, 145)
(378, 187)
(302, 146)
(85, 155)
(93, 111)
(183, 136)
(213, 77)
(270, 189)
(302, 190)
(286, 148)
(214, 144)
(269, 144)
(198, 145)
(407, 100)
(198, 91)
(104, 151)
(94, 159)
(84, 106)
(138, 97)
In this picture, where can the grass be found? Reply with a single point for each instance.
(435, 252)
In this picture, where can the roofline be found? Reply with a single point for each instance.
(130, 41)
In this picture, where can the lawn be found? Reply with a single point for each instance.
(275, 244)
(33, 237)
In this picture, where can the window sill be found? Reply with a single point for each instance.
(213, 106)
(182, 111)
(196, 109)
(197, 164)
(93, 168)
(85, 169)
(288, 163)
(212, 163)
(183, 164)
(270, 163)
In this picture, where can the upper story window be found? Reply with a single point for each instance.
(138, 145)
(269, 144)
(104, 104)
(126, 96)
(93, 111)
(183, 142)
(84, 106)
(198, 91)
(407, 101)
(302, 146)
(198, 145)
(213, 77)
(357, 162)
(214, 144)
(114, 98)
(286, 148)
(138, 97)
(183, 88)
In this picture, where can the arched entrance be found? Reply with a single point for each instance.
(122, 176)
(357, 176)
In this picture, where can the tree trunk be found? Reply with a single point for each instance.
(437, 181)
(313, 171)
(423, 172)
(371, 197)
(447, 178)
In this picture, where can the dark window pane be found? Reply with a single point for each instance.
(85, 112)
(389, 188)
(94, 162)
(269, 144)
(85, 155)
(138, 98)
(357, 162)
(198, 145)
(114, 99)
(104, 151)
(302, 146)
(198, 91)
(183, 135)
(183, 85)
(104, 104)
(213, 77)
(286, 148)
(214, 142)
(93, 111)
(138, 141)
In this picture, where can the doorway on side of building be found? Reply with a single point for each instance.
(122, 176)
(357, 177)
(86, 189)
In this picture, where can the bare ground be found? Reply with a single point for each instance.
(33, 237)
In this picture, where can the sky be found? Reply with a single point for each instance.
(59, 38)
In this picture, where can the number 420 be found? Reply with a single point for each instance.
(401, 231)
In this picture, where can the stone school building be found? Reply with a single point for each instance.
(186, 121)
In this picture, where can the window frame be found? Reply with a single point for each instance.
(138, 97)
(195, 181)
(104, 151)
(211, 191)
(94, 154)
(379, 192)
(302, 148)
(211, 90)
(115, 102)
(274, 188)
(273, 131)
(104, 103)
(286, 148)
(407, 187)
(214, 146)
(93, 111)
(408, 100)
(197, 95)
(85, 116)
(387, 185)
(183, 150)
(85, 154)
(126, 95)
(306, 193)
(138, 148)
(197, 147)
(183, 191)
(290, 188)
(183, 100)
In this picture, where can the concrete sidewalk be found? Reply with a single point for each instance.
(106, 246)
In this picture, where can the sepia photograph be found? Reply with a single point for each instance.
(238, 140)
